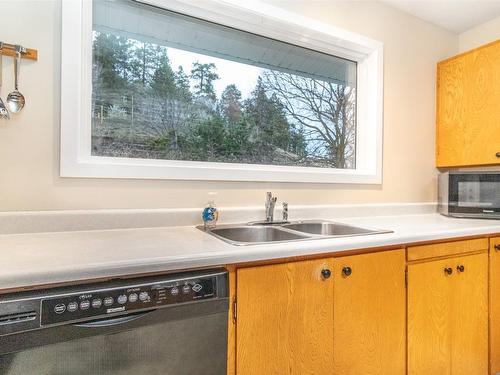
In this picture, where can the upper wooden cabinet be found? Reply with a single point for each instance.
(285, 319)
(370, 314)
(468, 108)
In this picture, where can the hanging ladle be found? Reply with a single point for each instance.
(15, 100)
(4, 113)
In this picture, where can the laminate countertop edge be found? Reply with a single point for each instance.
(35, 259)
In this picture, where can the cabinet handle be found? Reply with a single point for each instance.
(497, 247)
(448, 270)
(460, 268)
(347, 271)
(326, 273)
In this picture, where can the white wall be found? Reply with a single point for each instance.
(29, 144)
(484, 33)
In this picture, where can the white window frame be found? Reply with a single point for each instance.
(256, 17)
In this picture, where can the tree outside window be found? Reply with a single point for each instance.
(145, 105)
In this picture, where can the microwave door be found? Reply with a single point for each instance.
(475, 195)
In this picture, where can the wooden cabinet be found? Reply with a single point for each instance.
(293, 320)
(448, 316)
(495, 306)
(370, 314)
(285, 319)
(354, 315)
(468, 110)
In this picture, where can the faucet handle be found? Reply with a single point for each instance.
(285, 211)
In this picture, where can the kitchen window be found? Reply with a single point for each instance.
(216, 91)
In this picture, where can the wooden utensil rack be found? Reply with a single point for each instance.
(26, 53)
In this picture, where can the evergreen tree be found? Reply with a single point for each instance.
(230, 104)
(182, 83)
(208, 141)
(144, 61)
(204, 76)
(110, 61)
(163, 81)
(267, 117)
(237, 145)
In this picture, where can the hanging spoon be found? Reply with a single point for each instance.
(15, 100)
(4, 113)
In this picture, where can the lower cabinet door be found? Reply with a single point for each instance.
(448, 316)
(469, 322)
(495, 305)
(370, 314)
(285, 319)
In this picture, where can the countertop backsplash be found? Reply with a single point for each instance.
(18, 222)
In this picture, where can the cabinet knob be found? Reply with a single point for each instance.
(448, 270)
(326, 273)
(497, 247)
(460, 268)
(347, 271)
(497, 154)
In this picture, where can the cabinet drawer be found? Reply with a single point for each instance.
(446, 248)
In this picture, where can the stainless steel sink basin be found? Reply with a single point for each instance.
(264, 232)
(255, 234)
(326, 228)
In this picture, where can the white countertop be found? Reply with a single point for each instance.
(55, 257)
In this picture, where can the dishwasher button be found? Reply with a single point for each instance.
(96, 303)
(186, 289)
(143, 296)
(72, 306)
(60, 308)
(174, 291)
(108, 301)
(122, 299)
(133, 297)
(84, 305)
(197, 287)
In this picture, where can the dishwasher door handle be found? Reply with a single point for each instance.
(108, 322)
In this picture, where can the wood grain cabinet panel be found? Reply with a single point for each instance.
(285, 319)
(469, 346)
(495, 306)
(448, 316)
(468, 110)
(443, 249)
(429, 323)
(370, 314)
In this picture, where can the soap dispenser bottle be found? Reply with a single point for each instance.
(210, 215)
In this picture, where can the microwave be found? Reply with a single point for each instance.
(469, 194)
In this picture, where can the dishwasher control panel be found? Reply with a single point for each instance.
(85, 304)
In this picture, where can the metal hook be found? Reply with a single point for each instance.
(20, 49)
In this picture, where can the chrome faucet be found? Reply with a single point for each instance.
(270, 202)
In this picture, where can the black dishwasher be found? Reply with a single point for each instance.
(173, 324)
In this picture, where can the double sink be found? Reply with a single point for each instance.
(266, 232)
